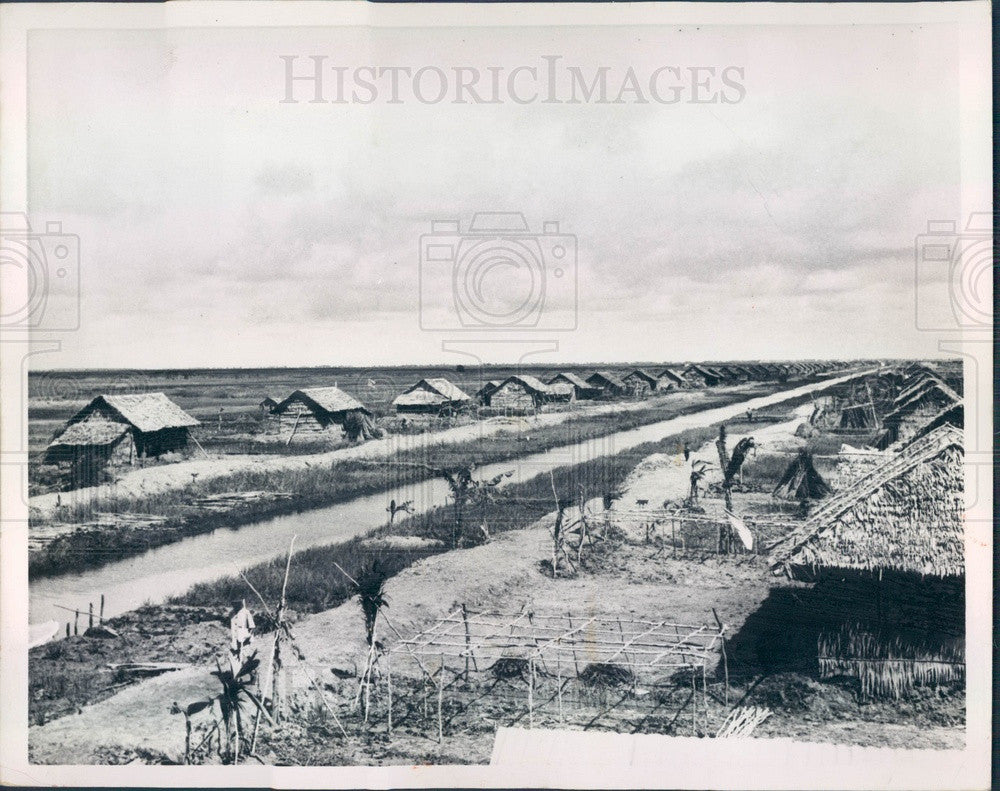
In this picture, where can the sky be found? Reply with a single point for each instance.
(220, 226)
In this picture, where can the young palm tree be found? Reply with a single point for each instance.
(370, 588)
(369, 585)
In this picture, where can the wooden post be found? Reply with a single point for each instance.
(90, 615)
(441, 702)
(704, 690)
(388, 684)
(694, 704)
(531, 693)
(559, 685)
(101, 617)
(76, 619)
(725, 669)
(468, 642)
(576, 665)
(67, 628)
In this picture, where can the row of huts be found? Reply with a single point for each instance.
(119, 429)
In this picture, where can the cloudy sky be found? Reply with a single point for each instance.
(219, 226)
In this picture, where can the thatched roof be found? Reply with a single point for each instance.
(905, 515)
(146, 412)
(489, 388)
(325, 399)
(703, 371)
(530, 383)
(569, 378)
(431, 391)
(672, 375)
(915, 387)
(934, 391)
(952, 415)
(605, 379)
(90, 432)
(638, 373)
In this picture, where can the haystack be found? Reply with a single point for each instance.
(801, 481)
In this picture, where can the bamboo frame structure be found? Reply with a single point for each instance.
(561, 651)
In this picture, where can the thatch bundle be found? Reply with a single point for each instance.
(360, 426)
(890, 665)
(510, 667)
(801, 481)
(606, 675)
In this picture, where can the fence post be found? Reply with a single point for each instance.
(388, 683)
(441, 703)
(531, 693)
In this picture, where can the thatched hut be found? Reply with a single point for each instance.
(639, 383)
(914, 412)
(889, 552)
(483, 393)
(431, 396)
(572, 384)
(267, 405)
(730, 373)
(701, 376)
(607, 383)
(953, 415)
(521, 393)
(118, 429)
(669, 379)
(315, 412)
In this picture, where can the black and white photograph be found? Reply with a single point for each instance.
(454, 395)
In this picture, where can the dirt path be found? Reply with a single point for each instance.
(662, 477)
(167, 477)
(504, 573)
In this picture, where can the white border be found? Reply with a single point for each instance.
(660, 762)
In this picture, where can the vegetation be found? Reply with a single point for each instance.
(317, 486)
(315, 584)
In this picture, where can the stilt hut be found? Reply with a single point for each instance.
(431, 396)
(887, 557)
